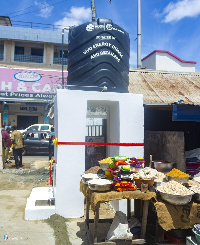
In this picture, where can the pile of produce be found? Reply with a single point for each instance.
(106, 160)
(137, 163)
(195, 189)
(94, 170)
(175, 188)
(196, 177)
(124, 186)
(177, 173)
(148, 173)
(121, 172)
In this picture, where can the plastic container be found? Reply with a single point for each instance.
(174, 239)
(99, 54)
(197, 235)
(108, 174)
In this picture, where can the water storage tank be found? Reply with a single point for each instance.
(99, 56)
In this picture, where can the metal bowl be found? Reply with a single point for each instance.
(163, 166)
(100, 185)
(182, 180)
(90, 176)
(175, 199)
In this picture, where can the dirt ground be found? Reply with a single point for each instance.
(15, 187)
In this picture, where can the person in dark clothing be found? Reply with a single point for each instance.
(6, 143)
(17, 140)
(51, 144)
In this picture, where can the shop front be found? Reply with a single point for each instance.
(25, 95)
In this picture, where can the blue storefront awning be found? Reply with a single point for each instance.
(186, 113)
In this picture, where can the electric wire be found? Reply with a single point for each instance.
(40, 9)
(26, 8)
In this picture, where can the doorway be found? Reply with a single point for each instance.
(96, 131)
(25, 121)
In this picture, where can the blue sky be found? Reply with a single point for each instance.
(173, 25)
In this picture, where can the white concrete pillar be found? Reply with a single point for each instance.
(9, 50)
(125, 121)
(48, 54)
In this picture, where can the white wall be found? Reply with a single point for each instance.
(150, 62)
(125, 121)
(166, 62)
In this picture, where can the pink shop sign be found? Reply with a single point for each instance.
(30, 81)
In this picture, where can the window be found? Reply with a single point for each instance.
(34, 128)
(37, 51)
(32, 136)
(43, 136)
(19, 50)
(43, 128)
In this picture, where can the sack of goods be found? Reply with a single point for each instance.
(124, 186)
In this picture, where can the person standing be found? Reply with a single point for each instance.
(6, 145)
(51, 144)
(17, 140)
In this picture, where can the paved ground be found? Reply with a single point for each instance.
(15, 187)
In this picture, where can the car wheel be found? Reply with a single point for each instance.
(24, 151)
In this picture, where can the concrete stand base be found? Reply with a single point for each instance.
(40, 205)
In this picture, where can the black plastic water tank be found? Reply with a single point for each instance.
(99, 56)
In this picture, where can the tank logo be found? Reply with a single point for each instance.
(27, 76)
(90, 27)
(109, 27)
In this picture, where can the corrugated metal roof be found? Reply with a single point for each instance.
(165, 87)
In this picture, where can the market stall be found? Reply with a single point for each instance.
(174, 201)
(94, 199)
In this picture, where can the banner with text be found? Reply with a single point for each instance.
(21, 83)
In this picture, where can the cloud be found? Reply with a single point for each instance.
(76, 16)
(181, 9)
(45, 9)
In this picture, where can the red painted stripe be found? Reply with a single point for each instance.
(103, 144)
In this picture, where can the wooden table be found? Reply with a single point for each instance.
(94, 199)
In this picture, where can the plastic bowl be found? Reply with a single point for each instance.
(197, 235)
(174, 239)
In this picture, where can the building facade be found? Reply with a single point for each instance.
(166, 61)
(31, 69)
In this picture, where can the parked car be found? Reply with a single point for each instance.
(37, 127)
(36, 142)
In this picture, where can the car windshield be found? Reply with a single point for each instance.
(34, 128)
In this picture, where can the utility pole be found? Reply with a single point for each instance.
(138, 33)
(93, 10)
